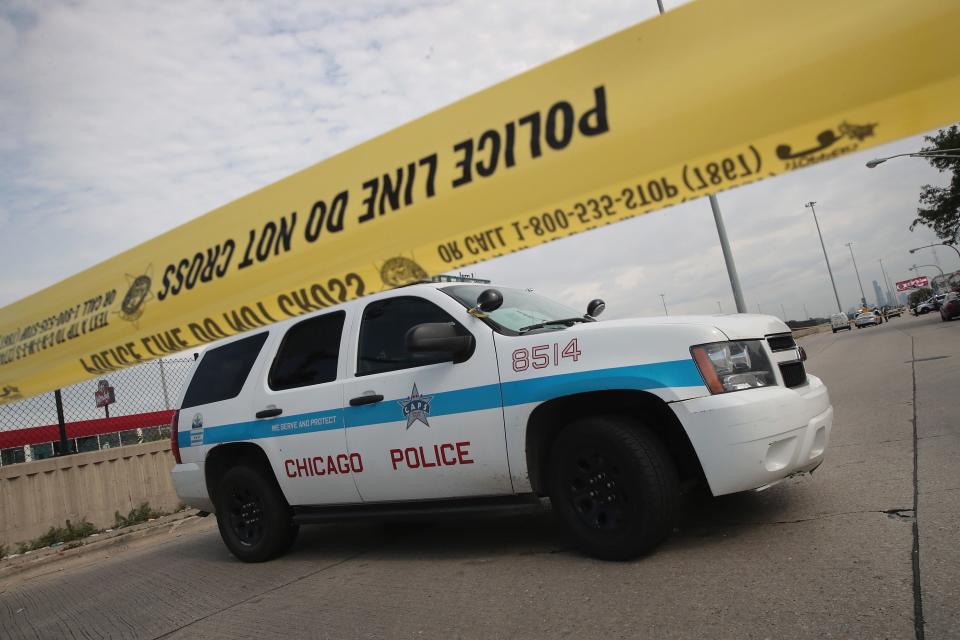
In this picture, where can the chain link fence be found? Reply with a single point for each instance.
(144, 399)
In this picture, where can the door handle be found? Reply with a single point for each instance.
(367, 398)
(269, 412)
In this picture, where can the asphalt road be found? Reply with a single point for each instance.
(828, 556)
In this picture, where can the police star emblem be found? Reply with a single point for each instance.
(416, 407)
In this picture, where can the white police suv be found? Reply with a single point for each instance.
(453, 397)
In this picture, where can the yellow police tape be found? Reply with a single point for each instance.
(713, 95)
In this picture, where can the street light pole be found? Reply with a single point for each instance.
(863, 296)
(932, 266)
(665, 312)
(933, 153)
(724, 243)
(823, 246)
(939, 244)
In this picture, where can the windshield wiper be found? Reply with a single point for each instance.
(564, 321)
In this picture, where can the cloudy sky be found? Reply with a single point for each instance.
(122, 119)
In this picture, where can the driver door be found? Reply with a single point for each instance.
(426, 427)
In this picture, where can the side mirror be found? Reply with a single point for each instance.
(489, 300)
(439, 338)
(596, 307)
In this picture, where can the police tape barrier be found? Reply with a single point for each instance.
(711, 96)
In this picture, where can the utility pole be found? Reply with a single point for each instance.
(809, 205)
(805, 312)
(719, 307)
(783, 311)
(863, 296)
(664, 305)
(724, 243)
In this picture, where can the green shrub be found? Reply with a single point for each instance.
(138, 514)
(55, 535)
(64, 534)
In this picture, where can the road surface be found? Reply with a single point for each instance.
(840, 554)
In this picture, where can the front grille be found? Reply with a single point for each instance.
(793, 374)
(781, 342)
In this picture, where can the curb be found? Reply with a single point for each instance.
(11, 566)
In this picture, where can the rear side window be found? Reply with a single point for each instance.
(309, 353)
(222, 371)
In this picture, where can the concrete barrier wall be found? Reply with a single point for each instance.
(37, 495)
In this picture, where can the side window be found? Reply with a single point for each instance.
(383, 333)
(222, 371)
(308, 354)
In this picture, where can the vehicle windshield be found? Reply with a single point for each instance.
(520, 308)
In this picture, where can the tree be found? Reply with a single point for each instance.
(940, 206)
(919, 296)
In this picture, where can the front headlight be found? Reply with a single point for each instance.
(733, 366)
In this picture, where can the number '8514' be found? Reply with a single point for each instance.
(545, 355)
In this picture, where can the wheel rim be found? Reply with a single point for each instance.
(595, 489)
(245, 515)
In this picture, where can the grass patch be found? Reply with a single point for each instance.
(55, 535)
(141, 513)
(72, 534)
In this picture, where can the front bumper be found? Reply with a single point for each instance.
(752, 439)
(191, 486)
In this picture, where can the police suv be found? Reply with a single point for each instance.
(460, 397)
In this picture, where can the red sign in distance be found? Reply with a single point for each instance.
(104, 394)
(913, 283)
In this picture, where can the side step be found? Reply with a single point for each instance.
(498, 505)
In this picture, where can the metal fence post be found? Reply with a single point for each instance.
(64, 445)
(163, 383)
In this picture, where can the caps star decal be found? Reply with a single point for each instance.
(416, 407)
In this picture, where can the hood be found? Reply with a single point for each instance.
(737, 326)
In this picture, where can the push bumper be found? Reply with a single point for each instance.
(752, 439)
(191, 486)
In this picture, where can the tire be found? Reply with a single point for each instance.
(834, 330)
(252, 515)
(626, 464)
(923, 311)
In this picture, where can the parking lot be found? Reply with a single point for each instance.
(840, 554)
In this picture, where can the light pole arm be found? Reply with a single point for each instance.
(939, 244)
(932, 266)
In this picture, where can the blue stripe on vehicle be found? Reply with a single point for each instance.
(444, 403)
(676, 373)
(281, 426)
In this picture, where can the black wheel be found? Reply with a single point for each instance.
(834, 330)
(615, 487)
(253, 516)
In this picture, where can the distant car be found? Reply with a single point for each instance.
(839, 321)
(892, 312)
(950, 307)
(930, 304)
(866, 319)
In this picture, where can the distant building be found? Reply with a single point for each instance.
(879, 294)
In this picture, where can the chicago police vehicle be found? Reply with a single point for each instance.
(451, 397)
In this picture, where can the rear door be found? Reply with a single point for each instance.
(427, 428)
(298, 413)
(217, 398)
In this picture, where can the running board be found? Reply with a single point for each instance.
(499, 505)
